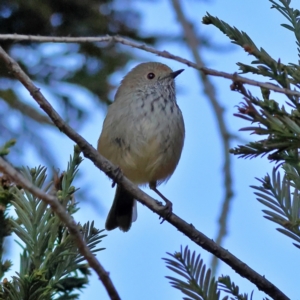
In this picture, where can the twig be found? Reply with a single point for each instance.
(209, 90)
(29, 111)
(108, 168)
(7, 169)
(165, 54)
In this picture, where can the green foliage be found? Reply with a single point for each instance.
(293, 17)
(61, 69)
(267, 65)
(284, 75)
(4, 150)
(225, 284)
(198, 283)
(283, 205)
(50, 263)
(280, 126)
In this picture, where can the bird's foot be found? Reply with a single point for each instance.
(117, 173)
(168, 208)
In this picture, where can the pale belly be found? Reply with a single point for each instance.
(145, 145)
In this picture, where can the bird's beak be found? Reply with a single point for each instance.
(176, 73)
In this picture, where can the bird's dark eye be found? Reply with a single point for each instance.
(150, 75)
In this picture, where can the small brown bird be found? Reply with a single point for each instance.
(143, 134)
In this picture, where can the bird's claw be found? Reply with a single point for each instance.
(117, 172)
(168, 209)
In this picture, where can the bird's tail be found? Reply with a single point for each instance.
(123, 211)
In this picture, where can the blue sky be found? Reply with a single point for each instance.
(196, 188)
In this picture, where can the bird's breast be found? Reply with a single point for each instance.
(146, 138)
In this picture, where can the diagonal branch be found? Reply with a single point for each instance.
(109, 169)
(165, 54)
(209, 89)
(7, 169)
(29, 111)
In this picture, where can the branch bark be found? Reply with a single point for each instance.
(109, 169)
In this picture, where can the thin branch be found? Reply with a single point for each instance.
(29, 111)
(165, 54)
(7, 169)
(109, 169)
(209, 89)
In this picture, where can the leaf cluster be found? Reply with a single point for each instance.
(197, 282)
(284, 74)
(279, 126)
(267, 118)
(282, 198)
(50, 263)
